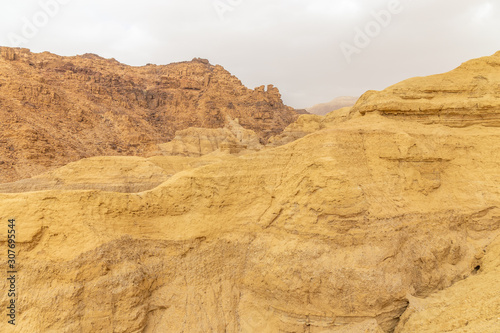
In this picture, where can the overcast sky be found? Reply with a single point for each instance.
(311, 50)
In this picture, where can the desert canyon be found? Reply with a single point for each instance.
(174, 199)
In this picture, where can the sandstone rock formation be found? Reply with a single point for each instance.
(466, 96)
(55, 110)
(338, 228)
(307, 124)
(335, 104)
(112, 174)
(472, 305)
(232, 138)
(375, 224)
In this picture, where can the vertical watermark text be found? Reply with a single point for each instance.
(11, 271)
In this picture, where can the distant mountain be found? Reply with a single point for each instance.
(335, 104)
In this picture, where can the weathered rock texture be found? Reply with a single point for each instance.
(343, 230)
(113, 174)
(232, 138)
(338, 228)
(307, 124)
(472, 305)
(55, 110)
(335, 104)
(466, 96)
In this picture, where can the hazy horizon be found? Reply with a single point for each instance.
(313, 52)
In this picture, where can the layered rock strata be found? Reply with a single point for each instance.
(55, 110)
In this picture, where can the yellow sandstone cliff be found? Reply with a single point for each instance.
(465, 96)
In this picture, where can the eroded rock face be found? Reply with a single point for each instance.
(375, 224)
(55, 110)
(468, 95)
(307, 124)
(195, 142)
(339, 228)
(125, 174)
(471, 305)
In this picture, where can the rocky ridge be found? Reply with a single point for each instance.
(466, 96)
(56, 110)
(232, 138)
(126, 174)
(307, 124)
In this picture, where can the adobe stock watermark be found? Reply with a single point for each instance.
(364, 36)
(31, 26)
(222, 7)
